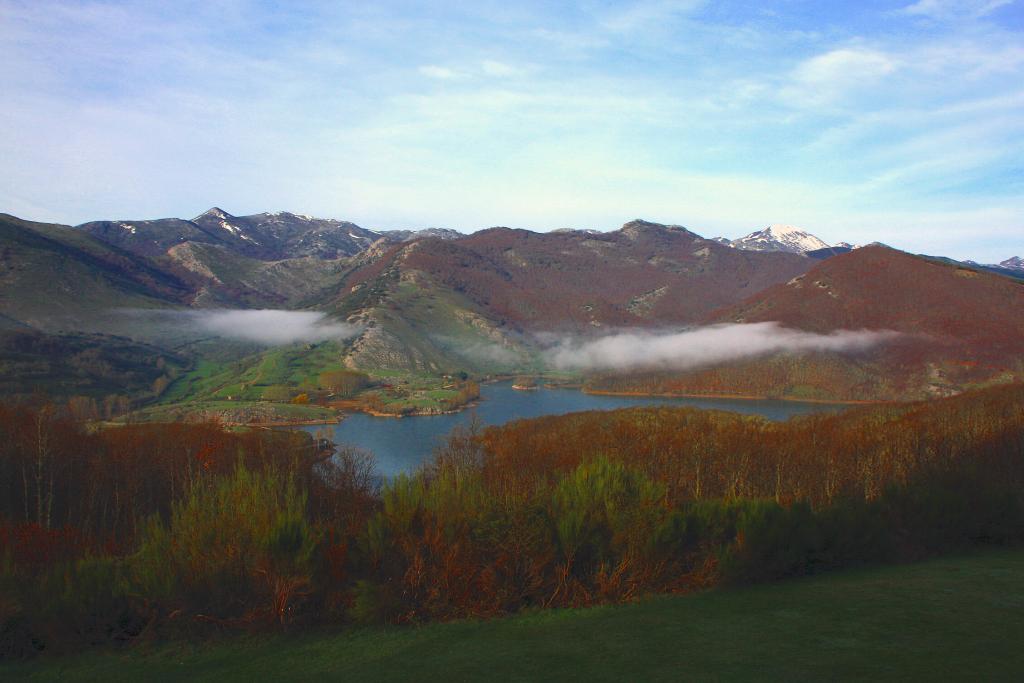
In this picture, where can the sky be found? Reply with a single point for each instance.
(900, 122)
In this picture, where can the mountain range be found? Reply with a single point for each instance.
(438, 301)
(282, 235)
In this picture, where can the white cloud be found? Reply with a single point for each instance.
(271, 327)
(441, 73)
(536, 116)
(836, 74)
(704, 346)
(645, 15)
(499, 69)
(953, 9)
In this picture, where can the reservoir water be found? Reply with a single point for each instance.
(401, 444)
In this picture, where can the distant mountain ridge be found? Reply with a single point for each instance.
(1012, 263)
(438, 301)
(266, 236)
(406, 235)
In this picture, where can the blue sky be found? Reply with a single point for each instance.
(901, 122)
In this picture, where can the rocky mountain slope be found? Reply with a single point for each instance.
(643, 274)
(267, 236)
(439, 302)
(493, 297)
(1013, 263)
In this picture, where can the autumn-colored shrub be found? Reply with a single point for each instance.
(344, 383)
(239, 547)
(186, 527)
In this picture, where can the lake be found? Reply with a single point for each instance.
(401, 444)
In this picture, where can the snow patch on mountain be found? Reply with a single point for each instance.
(234, 230)
(215, 212)
(780, 237)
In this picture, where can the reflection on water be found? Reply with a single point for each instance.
(400, 445)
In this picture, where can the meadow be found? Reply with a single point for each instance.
(957, 618)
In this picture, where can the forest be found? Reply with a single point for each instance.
(140, 532)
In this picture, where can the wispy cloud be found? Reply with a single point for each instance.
(836, 74)
(704, 346)
(645, 15)
(272, 327)
(532, 115)
(499, 69)
(953, 9)
(442, 73)
(269, 327)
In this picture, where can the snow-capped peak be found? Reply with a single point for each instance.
(216, 212)
(1013, 263)
(780, 237)
(779, 229)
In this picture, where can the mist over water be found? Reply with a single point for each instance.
(270, 327)
(680, 350)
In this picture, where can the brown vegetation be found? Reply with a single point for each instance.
(151, 529)
(955, 333)
(643, 274)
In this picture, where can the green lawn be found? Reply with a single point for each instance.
(960, 618)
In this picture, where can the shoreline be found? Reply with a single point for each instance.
(353, 407)
(286, 423)
(733, 397)
(346, 407)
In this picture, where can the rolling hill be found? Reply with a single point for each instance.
(53, 277)
(89, 365)
(642, 274)
(435, 302)
(957, 327)
(487, 299)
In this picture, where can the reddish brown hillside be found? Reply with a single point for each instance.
(959, 327)
(644, 274)
(977, 313)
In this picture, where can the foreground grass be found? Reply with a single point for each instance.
(960, 618)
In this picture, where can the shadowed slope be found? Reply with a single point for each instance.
(950, 619)
(958, 327)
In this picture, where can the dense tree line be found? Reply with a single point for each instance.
(153, 530)
(344, 383)
(92, 367)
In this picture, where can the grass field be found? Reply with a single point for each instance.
(956, 618)
(295, 367)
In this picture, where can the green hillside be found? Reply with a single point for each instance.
(56, 278)
(92, 365)
(950, 619)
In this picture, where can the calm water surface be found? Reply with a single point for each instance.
(400, 445)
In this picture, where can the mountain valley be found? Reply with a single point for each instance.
(428, 305)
